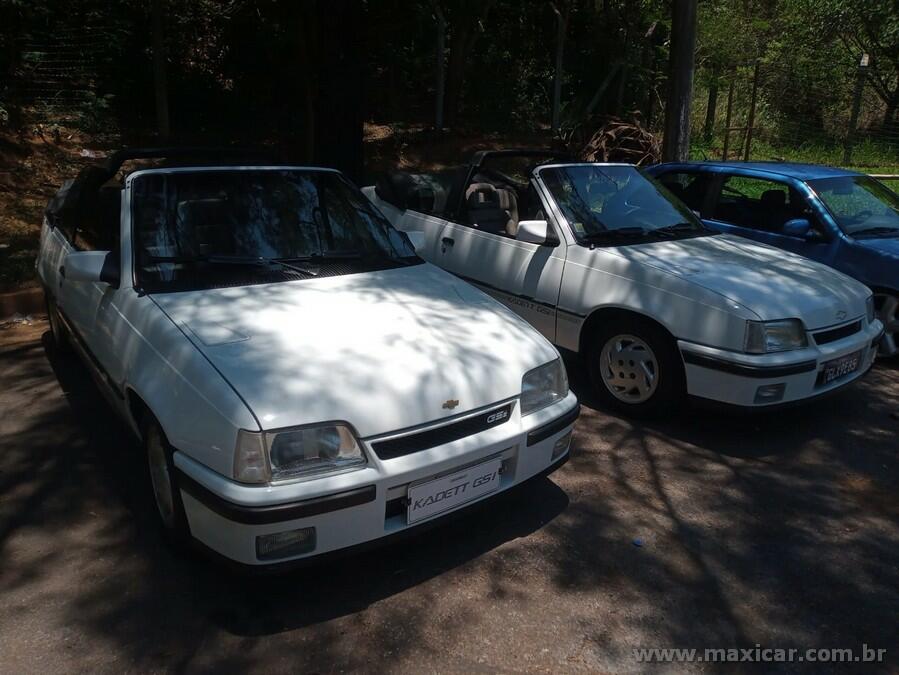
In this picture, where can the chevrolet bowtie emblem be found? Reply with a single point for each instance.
(450, 404)
(841, 314)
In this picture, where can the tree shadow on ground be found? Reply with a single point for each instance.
(660, 533)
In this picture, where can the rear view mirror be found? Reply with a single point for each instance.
(536, 232)
(91, 266)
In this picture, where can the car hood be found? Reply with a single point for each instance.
(770, 282)
(381, 350)
(887, 245)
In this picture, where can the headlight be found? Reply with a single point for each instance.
(543, 386)
(869, 307)
(298, 452)
(763, 337)
(295, 452)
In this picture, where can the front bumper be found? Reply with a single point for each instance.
(362, 506)
(747, 380)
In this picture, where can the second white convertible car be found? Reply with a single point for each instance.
(302, 382)
(607, 263)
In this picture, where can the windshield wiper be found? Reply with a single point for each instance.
(231, 260)
(677, 228)
(320, 257)
(876, 230)
(615, 233)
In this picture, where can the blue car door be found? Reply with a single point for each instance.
(758, 208)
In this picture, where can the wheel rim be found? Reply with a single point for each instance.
(159, 477)
(889, 316)
(629, 369)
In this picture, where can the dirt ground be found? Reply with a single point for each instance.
(704, 531)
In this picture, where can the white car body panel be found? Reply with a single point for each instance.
(382, 351)
(701, 289)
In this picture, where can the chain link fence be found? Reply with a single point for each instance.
(764, 111)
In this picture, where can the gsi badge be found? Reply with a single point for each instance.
(498, 416)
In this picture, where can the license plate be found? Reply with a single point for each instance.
(834, 370)
(448, 492)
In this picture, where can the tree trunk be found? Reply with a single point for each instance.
(890, 123)
(340, 92)
(709, 127)
(439, 84)
(307, 73)
(160, 81)
(561, 29)
(463, 34)
(455, 75)
(676, 142)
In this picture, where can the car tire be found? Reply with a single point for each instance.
(887, 306)
(59, 335)
(636, 368)
(163, 482)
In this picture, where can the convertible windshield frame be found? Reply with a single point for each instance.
(381, 247)
(679, 221)
(859, 181)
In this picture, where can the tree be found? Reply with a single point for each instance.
(465, 20)
(870, 27)
(562, 10)
(160, 81)
(676, 142)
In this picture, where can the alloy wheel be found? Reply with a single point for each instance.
(160, 477)
(888, 313)
(629, 368)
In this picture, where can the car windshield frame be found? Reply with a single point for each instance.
(819, 186)
(379, 245)
(679, 223)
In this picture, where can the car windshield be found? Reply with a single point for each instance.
(606, 203)
(861, 205)
(200, 229)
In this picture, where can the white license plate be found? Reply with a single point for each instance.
(834, 370)
(448, 492)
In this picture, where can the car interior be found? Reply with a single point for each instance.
(492, 201)
(768, 212)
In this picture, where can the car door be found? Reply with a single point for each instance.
(482, 248)
(758, 208)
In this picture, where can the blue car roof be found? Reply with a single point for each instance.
(792, 169)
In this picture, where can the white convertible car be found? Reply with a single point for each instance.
(607, 263)
(302, 382)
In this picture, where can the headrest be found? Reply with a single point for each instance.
(481, 195)
(774, 198)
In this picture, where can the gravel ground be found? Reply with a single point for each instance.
(704, 531)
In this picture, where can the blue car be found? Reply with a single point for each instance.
(841, 218)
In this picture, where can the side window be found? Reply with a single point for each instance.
(758, 203)
(434, 194)
(491, 207)
(532, 208)
(690, 188)
(99, 228)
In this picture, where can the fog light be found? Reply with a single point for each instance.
(285, 544)
(770, 393)
(561, 445)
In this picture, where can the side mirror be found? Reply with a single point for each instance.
(92, 266)
(416, 238)
(536, 232)
(800, 228)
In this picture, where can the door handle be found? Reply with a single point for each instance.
(62, 271)
(448, 241)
